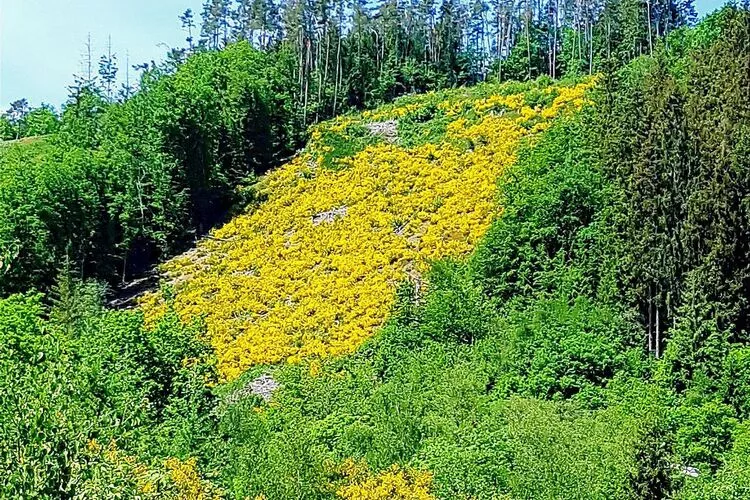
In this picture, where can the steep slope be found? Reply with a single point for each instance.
(312, 270)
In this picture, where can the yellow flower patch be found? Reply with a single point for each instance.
(178, 479)
(188, 482)
(393, 483)
(312, 272)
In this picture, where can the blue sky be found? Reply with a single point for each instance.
(42, 41)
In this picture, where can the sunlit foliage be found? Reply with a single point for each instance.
(312, 271)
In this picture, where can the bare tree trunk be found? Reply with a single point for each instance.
(554, 39)
(336, 77)
(591, 45)
(658, 340)
(578, 32)
(89, 73)
(648, 16)
(650, 322)
(325, 70)
(528, 37)
(498, 36)
(301, 64)
(320, 76)
(507, 40)
(308, 64)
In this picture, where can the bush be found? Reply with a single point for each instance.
(558, 349)
(78, 374)
(125, 183)
(735, 384)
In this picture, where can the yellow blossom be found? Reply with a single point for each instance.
(312, 272)
(393, 483)
(188, 482)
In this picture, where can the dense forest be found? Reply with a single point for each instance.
(423, 250)
(152, 163)
(344, 55)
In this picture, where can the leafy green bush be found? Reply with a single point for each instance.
(552, 235)
(736, 381)
(124, 183)
(732, 481)
(558, 349)
(78, 373)
(41, 121)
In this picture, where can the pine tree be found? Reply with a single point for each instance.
(243, 17)
(215, 30)
(188, 24)
(108, 71)
(85, 81)
(16, 115)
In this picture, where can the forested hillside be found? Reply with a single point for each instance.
(122, 183)
(535, 288)
(147, 157)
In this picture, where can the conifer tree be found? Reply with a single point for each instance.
(108, 71)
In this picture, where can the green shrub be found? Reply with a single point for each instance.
(735, 383)
(122, 184)
(78, 373)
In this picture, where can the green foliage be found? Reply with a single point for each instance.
(7, 131)
(343, 144)
(593, 346)
(735, 382)
(555, 230)
(732, 481)
(675, 140)
(528, 58)
(41, 121)
(122, 184)
(559, 350)
(78, 373)
(455, 309)
(428, 124)
(704, 433)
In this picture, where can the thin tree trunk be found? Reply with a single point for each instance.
(308, 64)
(301, 64)
(338, 69)
(591, 46)
(528, 37)
(650, 322)
(554, 41)
(648, 16)
(658, 340)
(325, 70)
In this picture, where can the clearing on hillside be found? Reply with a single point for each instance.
(283, 282)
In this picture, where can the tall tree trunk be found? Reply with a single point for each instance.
(308, 65)
(591, 45)
(648, 17)
(554, 42)
(338, 69)
(528, 37)
(650, 322)
(325, 67)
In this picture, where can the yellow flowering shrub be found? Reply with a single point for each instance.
(121, 469)
(188, 482)
(178, 479)
(312, 271)
(394, 483)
